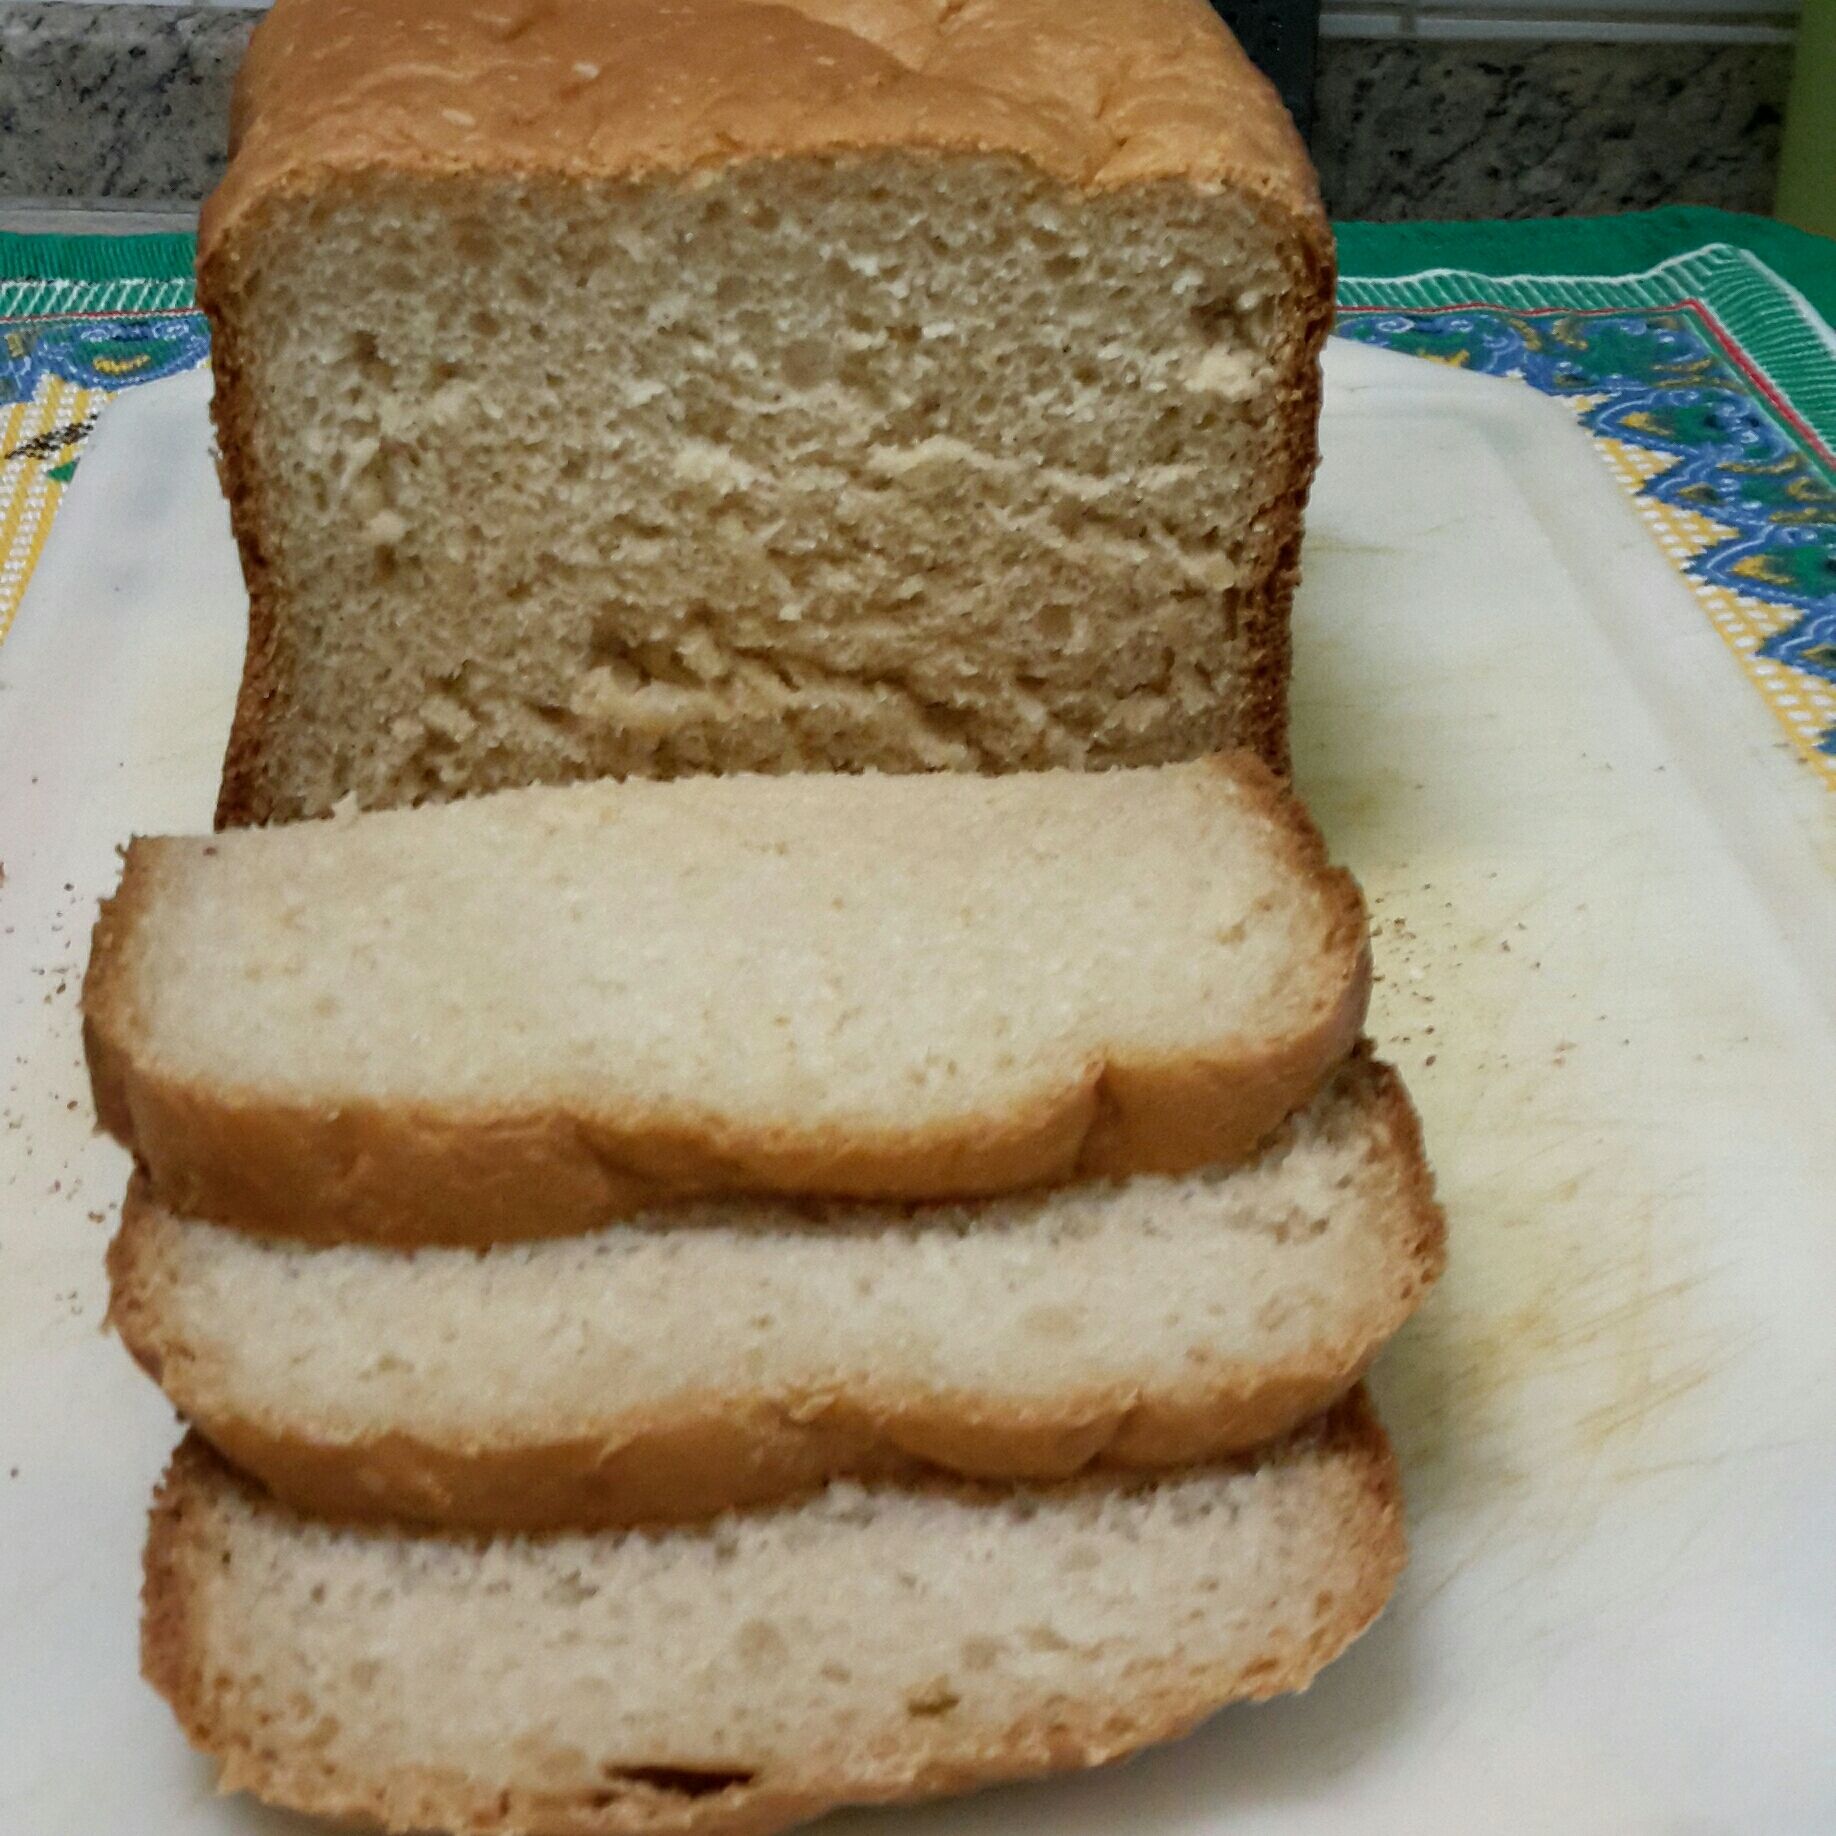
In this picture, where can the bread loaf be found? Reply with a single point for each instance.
(732, 1353)
(864, 1646)
(530, 1013)
(607, 387)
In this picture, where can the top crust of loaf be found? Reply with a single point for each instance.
(1097, 96)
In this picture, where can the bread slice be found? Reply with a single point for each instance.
(607, 387)
(530, 1013)
(733, 1353)
(863, 1646)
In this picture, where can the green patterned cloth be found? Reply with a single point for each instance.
(1773, 288)
(1695, 347)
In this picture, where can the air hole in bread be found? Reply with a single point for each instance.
(682, 1781)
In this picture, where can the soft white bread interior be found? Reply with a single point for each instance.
(733, 1352)
(605, 387)
(529, 1013)
(861, 1646)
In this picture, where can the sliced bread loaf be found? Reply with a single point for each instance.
(610, 387)
(863, 1646)
(725, 1354)
(530, 1013)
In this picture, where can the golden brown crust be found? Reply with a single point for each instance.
(393, 1174)
(243, 795)
(694, 1468)
(705, 1454)
(1268, 623)
(335, 94)
(624, 89)
(1163, 1701)
(362, 1171)
(108, 1011)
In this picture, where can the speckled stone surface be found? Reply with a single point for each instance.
(1421, 128)
(131, 103)
(115, 101)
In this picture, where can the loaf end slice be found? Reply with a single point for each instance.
(960, 413)
(525, 1014)
(733, 1352)
(866, 1646)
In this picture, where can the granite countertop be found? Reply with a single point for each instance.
(116, 101)
(130, 102)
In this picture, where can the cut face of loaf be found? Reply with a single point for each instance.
(742, 387)
(731, 1354)
(864, 1646)
(528, 1014)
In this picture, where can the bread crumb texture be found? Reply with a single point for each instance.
(609, 388)
(731, 1353)
(532, 1012)
(717, 1678)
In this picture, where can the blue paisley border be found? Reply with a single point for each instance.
(99, 335)
(1663, 381)
(1658, 362)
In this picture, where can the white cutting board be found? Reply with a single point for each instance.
(1606, 898)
